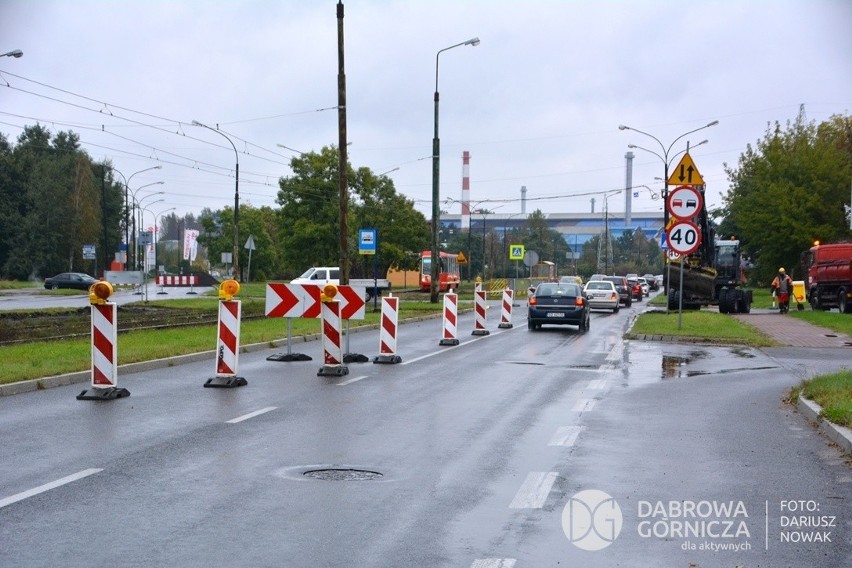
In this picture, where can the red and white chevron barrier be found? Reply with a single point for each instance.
(451, 310)
(506, 309)
(480, 306)
(167, 280)
(228, 346)
(104, 355)
(331, 341)
(388, 331)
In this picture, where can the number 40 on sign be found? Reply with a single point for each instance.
(684, 238)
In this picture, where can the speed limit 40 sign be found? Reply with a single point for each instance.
(684, 238)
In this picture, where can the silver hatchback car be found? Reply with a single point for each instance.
(602, 295)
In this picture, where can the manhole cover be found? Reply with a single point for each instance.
(341, 474)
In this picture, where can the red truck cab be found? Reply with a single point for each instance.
(829, 270)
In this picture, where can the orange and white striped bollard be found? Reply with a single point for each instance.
(450, 320)
(387, 331)
(228, 340)
(480, 306)
(506, 309)
(104, 346)
(331, 336)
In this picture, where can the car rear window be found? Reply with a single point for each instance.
(600, 286)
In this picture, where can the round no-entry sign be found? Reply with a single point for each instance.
(684, 238)
(685, 202)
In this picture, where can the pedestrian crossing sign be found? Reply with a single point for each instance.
(516, 252)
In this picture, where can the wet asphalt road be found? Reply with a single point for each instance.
(474, 456)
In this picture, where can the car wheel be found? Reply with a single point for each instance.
(586, 322)
(616, 308)
(54, 286)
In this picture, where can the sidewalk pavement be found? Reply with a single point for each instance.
(793, 332)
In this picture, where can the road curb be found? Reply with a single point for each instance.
(840, 435)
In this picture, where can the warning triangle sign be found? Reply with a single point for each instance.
(686, 173)
(462, 259)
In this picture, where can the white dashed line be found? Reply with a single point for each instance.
(598, 384)
(252, 414)
(494, 563)
(584, 405)
(534, 491)
(48, 486)
(565, 436)
(352, 380)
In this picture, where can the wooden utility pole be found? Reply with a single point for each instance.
(342, 162)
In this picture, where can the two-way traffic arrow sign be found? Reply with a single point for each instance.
(686, 173)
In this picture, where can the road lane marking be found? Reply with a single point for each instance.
(450, 348)
(252, 414)
(493, 563)
(598, 384)
(565, 436)
(534, 490)
(352, 380)
(584, 405)
(48, 486)
(616, 354)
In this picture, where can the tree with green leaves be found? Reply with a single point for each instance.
(789, 190)
(56, 199)
(309, 219)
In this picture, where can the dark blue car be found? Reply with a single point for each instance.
(559, 304)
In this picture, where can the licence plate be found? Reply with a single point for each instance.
(556, 314)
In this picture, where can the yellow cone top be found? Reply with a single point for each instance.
(99, 292)
(228, 289)
(329, 291)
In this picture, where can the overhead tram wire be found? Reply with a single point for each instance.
(109, 107)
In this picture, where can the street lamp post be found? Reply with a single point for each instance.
(665, 158)
(134, 203)
(236, 253)
(436, 174)
(142, 220)
(127, 204)
(156, 231)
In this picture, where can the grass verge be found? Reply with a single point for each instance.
(44, 359)
(701, 325)
(833, 392)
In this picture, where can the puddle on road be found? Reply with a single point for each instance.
(650, 364)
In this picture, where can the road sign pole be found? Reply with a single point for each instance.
(680, 297)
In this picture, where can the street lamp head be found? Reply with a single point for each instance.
(632, 146)
(196, 123)
(17, 53)
(472, 41)
(623, 127)
(714, 123)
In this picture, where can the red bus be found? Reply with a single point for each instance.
(448, 275)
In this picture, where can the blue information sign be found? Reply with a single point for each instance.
(367, 240)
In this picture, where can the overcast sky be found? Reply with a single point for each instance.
(537, 103)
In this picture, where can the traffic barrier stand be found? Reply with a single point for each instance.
(506, 310)
(331, 346)
(228, 342)
(289, 356)
(387, 331)
(450, 323)
(348, 356)
(480, 306)
(104, 346)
